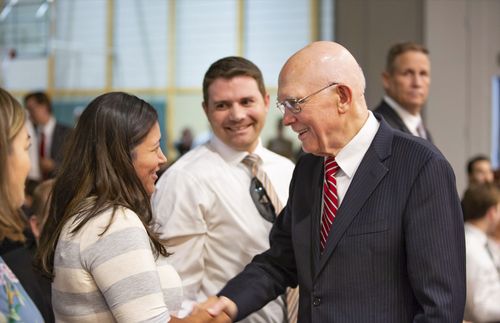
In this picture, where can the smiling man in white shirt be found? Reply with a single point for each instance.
(203, 204)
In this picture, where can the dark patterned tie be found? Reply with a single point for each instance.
(330, 200)
(253, 162)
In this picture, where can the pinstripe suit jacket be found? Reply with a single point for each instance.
(395, 252)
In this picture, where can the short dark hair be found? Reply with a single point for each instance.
(473, 161)
(478, 199)
(40, 98)
(399, 49)
(229, 67)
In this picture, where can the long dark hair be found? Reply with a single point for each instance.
(97, 172)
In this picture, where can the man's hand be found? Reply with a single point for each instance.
(217, 305)
(202, 316)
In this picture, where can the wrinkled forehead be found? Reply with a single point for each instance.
(301, 76)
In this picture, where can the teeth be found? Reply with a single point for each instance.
(238, 128)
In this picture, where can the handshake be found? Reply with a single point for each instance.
(213, 310)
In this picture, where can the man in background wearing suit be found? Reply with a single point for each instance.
(51, 135)
(373, 229)
(406, 81)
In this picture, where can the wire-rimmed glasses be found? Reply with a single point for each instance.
(293, 105)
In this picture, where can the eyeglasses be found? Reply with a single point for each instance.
(293, 105)
(262, 200)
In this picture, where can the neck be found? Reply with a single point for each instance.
(349, 131)
(413, 110)
(482, 224)
(44, 120)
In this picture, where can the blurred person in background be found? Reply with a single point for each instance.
(479, 170)
(280, 144)
(15, 304)
(185, 142)
(481, 205)
(51, 135)
(406, 82)
(98, 243)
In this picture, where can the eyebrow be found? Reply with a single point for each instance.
(249, 97)
(221, 101)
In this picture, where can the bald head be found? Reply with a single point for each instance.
(324, 62)
(327, 85)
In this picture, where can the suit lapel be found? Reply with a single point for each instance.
(393, 118)
(369, 174)
(315, 217)
(308, 253)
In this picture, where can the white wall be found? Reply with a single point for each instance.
(463, 36)
(19, 74)
(369, 27)
(464, 43)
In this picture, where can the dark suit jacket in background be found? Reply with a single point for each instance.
(395, 252)
(59, 139)
(394, 120)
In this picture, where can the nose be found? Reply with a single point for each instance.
(288, 118)
(162, 159)
(418, 80)
(236, 112)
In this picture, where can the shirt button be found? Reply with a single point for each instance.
(316, 301)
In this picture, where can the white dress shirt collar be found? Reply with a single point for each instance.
(231, 155)
(49, 127)
(351, 155)
(475, 232)
(411, 121)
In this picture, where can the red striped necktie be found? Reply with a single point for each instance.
(330, 200)
(42, 145)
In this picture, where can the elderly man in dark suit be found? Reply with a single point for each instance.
(373, 229)
(406, 81)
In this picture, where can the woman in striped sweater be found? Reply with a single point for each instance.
(98, 243)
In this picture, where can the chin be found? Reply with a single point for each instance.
(310, 147)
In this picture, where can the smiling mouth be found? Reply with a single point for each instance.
(237, 128)
(301, 133)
